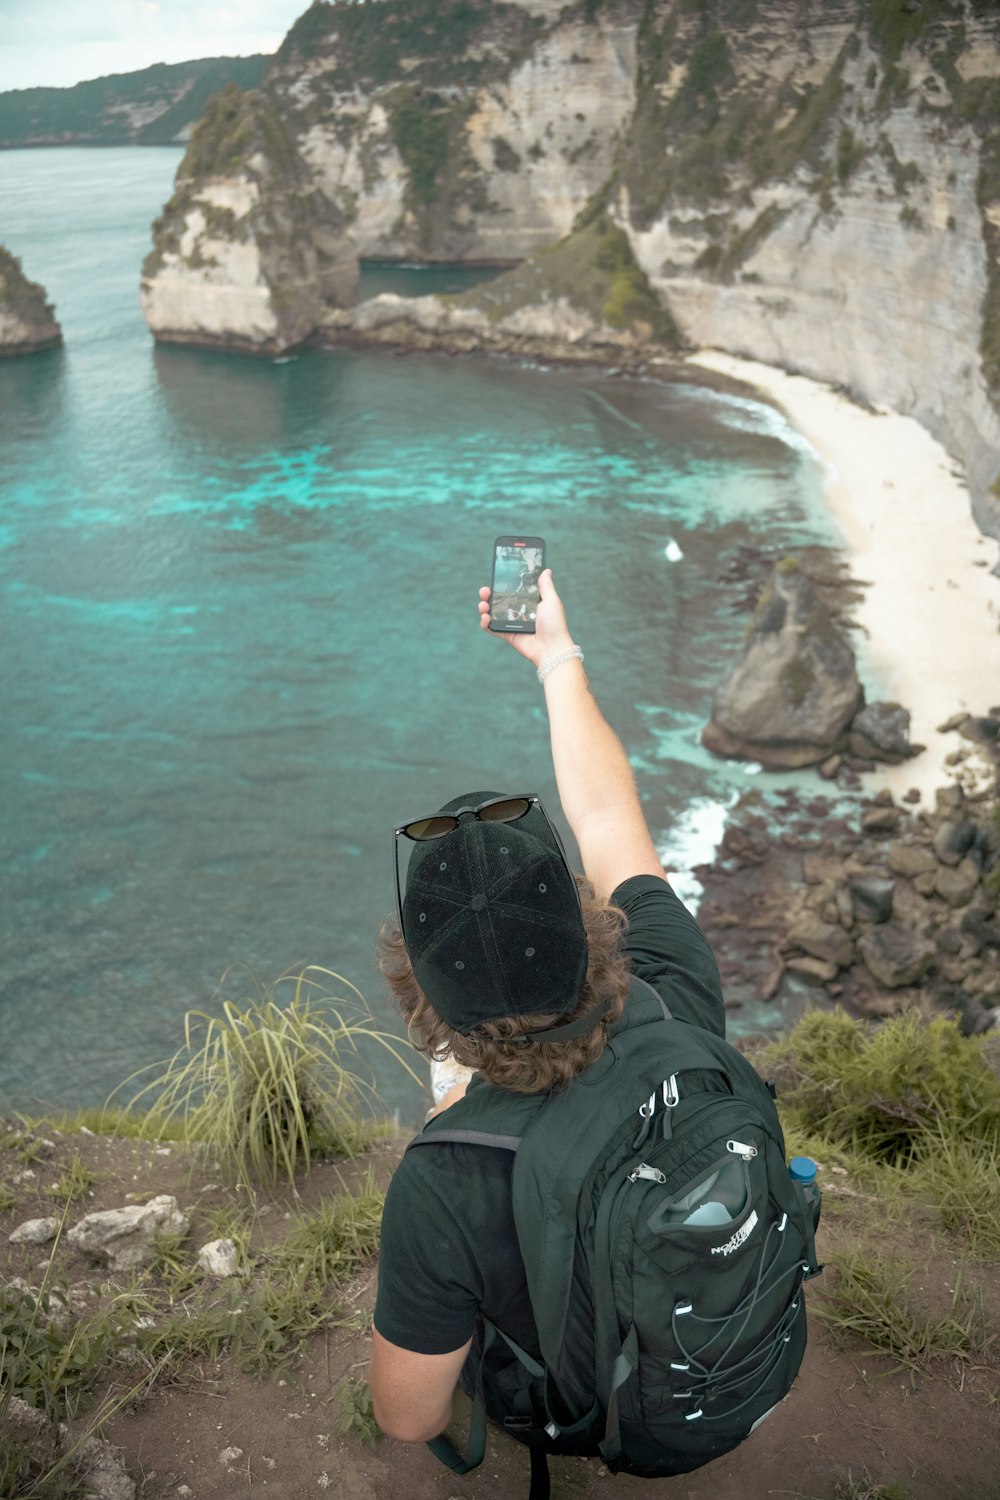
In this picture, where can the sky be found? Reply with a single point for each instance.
(60, 42)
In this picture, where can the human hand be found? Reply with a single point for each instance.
(551, 631)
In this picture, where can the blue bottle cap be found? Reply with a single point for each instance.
(802, 1169)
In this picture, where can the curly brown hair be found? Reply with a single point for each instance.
(493, 1048)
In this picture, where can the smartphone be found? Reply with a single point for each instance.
(517, 562)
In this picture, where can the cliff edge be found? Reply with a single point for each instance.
(27, 318)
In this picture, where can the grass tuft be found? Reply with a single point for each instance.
(269, 1088)
(867, 1488)
(904, 1119)
(356, 1412)
(870, 1301)
(891, 1092)
(328, 1244)
(75, 1181)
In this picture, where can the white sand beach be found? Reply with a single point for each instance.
(931, 607)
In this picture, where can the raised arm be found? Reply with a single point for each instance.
(596, 786)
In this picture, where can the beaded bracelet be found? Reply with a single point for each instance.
(572, 653)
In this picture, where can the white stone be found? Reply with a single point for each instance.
(218, 1258)
(126, 1237)
(106, 1475)
(230, 1455)
(34, 1232)
(102, 1472)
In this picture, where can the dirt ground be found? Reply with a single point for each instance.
(848, 1417)
(851, 1422)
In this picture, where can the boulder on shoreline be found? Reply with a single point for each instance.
(794, 692)
(881, 731)
(27, 319)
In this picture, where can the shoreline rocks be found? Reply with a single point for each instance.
(877, 917)
(247, 253)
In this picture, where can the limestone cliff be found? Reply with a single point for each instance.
(829, 199)
(445, 130)
(247, 252)
(817, 186)
(27, 319)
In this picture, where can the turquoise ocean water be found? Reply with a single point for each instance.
(238, 628)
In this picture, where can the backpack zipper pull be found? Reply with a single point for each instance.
(650, 1174)
(739, 1149)
(646, 1114)
(671, 1098)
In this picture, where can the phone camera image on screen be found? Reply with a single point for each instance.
(517, 562)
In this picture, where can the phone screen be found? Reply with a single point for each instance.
(517, 562)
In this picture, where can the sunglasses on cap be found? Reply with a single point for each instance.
(496, 810)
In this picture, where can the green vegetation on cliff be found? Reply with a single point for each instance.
(417, 40)
(238, 135)
(26, 302)
(233, 127)
(979, 103)
(719, 129)
(594, 270)
(117, 110)
(427, 132)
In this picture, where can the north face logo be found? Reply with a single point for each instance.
(738, 1238)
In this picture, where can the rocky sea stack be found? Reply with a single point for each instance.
(248, 252)
(27, 318)
(794, 690)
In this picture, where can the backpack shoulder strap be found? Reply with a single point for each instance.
(486, 1116)
(642, 987)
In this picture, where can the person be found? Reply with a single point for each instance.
(496, 948)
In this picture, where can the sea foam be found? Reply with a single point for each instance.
(693, 841)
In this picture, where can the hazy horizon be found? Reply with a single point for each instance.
(124, 36)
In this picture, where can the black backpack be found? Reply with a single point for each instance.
(665, 1248)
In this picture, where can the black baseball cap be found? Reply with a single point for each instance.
(492, 919)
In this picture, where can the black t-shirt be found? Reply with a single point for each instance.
(449, 1246)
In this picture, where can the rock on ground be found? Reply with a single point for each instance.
(97, 1468)
(34, 1232)
(126, 1237)
(218, 1258)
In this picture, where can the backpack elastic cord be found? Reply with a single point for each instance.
(808, 1224)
